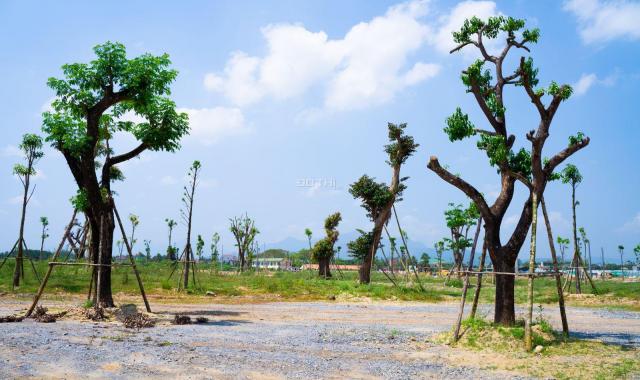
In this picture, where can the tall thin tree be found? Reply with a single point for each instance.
(31, 147)
(171, 250)
(571, 175)
(186, 212)
(44, 221)
(378, 198)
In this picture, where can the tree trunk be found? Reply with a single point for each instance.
(18, 271)
(505, 313)
(575, 263)
(187, 264)
(323, 267)
(106, 246)
(528, 338)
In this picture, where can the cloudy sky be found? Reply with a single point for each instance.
(289, 101)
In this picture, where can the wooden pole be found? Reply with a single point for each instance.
(528, 333)
(133, 261)
(9, 254)
(35, 272)
(404, 242)
(476, 296)
(456, 333)
(50, 269)
(554, 258)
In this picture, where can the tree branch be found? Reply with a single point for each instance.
(535, 99)
(563, 155)
(461, 184)
(126, 156)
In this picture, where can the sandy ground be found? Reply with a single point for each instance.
(333, 340)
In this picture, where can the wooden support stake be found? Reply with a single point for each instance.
(406, 248)
(528, 332)
(9, 254)
(476, 296)
(133, 262)
(554, 258)
(456, 333)
(50, 269)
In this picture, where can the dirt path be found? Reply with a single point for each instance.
(267, 341)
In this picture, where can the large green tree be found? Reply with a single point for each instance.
(91, 100)
(486, 79)
(378, 198)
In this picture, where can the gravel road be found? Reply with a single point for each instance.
(265, 341)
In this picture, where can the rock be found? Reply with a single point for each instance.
(210, 294)
(538, 349)
(128, 310)
(332, 297)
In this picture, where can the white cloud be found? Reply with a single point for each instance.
(587, 81)
(633, 225)
(584, 83)
(365, 67)
(443, 39)
(209, 125)
(602, 21)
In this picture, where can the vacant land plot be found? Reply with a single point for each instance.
(297, 340)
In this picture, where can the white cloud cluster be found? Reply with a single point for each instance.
(367, 66)
(587, 81)
(451, 22)
(209, 125)
(602, 21)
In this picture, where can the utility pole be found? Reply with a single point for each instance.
(603, 267)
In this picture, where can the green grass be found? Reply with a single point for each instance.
(304, 286)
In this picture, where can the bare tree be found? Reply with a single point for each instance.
(44, 235)
(187, 214)
(244, 231)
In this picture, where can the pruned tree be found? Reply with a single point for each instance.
(188, 197)
(87, 111)
(44, 221)
(459, 221)
(378, 198)
(439, 247)
(323, 251)
(134, 220)
(636, 251)
(586, 243)
(244, 231)
(309, 233)
(571, 175)
(563, 243)
(31, 147)
(621, 251)
(487, 85)
(215, 253)
(147, 249)
(199, 246)
(361, 246)
(171, 250)
(425, 261)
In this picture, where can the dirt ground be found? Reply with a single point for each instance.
(354, 340)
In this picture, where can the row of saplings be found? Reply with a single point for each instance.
(91, 97)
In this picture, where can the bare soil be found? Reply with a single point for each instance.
(329, 340)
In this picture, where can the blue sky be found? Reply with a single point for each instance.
(289, 101)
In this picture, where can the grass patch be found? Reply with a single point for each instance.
(493, 347)
(303, 286)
